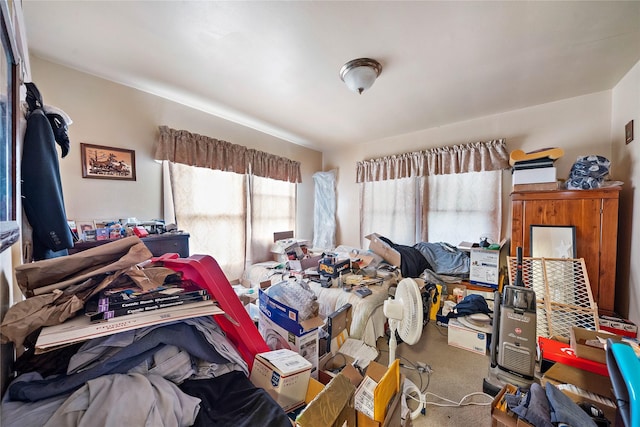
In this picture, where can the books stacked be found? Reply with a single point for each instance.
(535, 170)
(112, 303)
(124, 309)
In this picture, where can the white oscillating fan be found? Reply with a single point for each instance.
(405, 315)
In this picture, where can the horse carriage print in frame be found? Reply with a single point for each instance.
(103, 162)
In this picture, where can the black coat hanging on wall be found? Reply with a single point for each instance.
(42, 198)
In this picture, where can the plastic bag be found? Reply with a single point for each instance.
(296, 295)
(588, 172)
(324, 213)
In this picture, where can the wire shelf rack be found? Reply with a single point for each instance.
(563, 294)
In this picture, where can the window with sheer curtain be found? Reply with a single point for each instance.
(229, 198)
(231, 216)
(448, 194)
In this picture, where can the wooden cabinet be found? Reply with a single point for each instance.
(158, 244)
(594, 213)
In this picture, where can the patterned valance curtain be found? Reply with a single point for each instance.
(181, 146)
(472, 157)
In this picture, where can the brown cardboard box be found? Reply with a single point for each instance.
(500, 415)
(584, 342)
(586, 380)
(594, 388)
(331, 364)
(330, 405)
(375, 400)
(284, 374)
(383, 249)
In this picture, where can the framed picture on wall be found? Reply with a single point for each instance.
(102, 162)
(553, 241)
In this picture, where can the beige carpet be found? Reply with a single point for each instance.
(455, 374)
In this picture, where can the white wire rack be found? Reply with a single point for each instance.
(563, 294)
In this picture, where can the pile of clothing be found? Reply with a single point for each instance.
(548, 407)
(180, 373)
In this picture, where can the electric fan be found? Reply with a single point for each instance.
(405, 313)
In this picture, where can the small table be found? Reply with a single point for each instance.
(158, 244)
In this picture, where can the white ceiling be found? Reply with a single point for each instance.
(274, 66)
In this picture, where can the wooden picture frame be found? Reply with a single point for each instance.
(102, 162)
(628, 132)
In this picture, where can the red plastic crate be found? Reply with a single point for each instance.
(236, 323)
(560, 352)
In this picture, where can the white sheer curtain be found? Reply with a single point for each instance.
(390, 209)
(210, 205)
(231, 216)
(273, 208)
(462, 207)
(446, 194)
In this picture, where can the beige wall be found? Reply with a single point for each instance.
(579, 125)
(106, 113)
(626, 159)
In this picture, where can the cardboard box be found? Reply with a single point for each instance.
(330, 405)
(618, 326)
(333, 364)
(284, 374)
(331, 267)
(589, 344)
(342, 351)
(280, 326)
(534, 176)
(486, 265)
(500, 415)
(375, 392)
(589, 387)
(309, 261)
(383, 249)
(466, 338)
(284, 250)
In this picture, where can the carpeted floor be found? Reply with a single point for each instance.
(455, 373)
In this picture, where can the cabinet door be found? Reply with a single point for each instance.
(584, 214)
(595, 217)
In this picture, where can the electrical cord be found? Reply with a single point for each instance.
(419, 394)
(460, 403)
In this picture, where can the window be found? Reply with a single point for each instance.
(231, 216)
(443, 194)
(273, 208)
(390, 208)
(463, 206)
(439, 208)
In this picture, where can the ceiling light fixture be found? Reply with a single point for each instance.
(360, 74)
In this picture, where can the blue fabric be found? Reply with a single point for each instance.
(566, 411)
(471, 304)
(444, 258)
(535, 408)
(179, 334)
